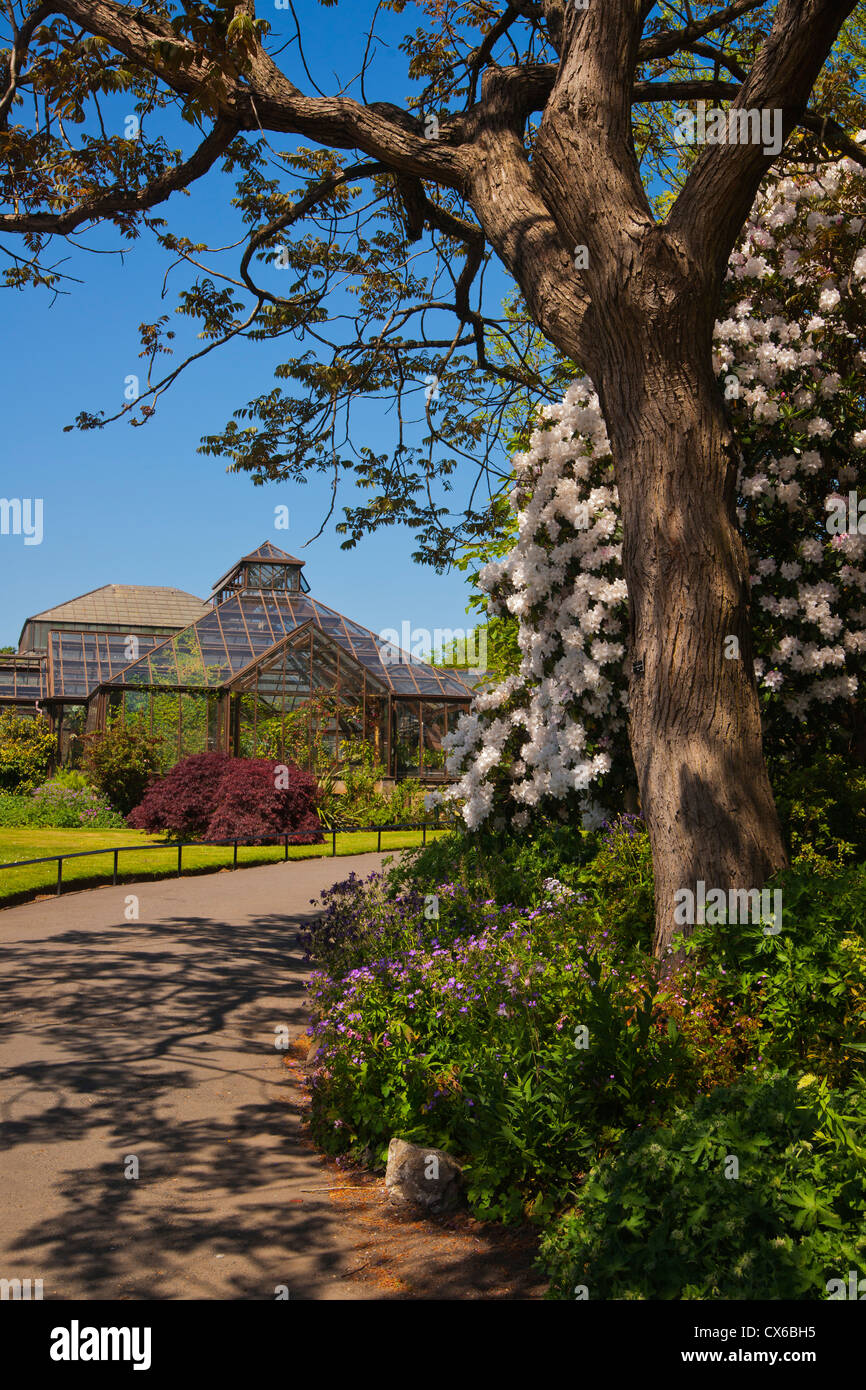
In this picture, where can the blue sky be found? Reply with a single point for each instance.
(141, 506)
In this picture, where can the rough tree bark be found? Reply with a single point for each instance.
(694, 716)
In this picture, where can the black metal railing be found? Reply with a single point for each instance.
(331, 831)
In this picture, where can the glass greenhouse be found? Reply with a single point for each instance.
(265, 670)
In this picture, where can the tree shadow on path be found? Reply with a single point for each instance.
(155, 1040)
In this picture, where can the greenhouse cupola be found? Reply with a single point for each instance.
(265, 568)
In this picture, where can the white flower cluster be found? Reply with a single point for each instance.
(563, 582)
(550, 731)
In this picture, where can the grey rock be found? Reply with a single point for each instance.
(426, 1178)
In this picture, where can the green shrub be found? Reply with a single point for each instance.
(361, 803)
(823, 813)
(806, 986)
(500, 865)
(27, 746)
(448, 1007)
(671, 1217)
(121, 762)
(71, 777)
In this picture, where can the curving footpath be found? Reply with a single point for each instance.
(155, 1040)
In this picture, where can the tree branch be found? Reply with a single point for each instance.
(298, 210)
(670, 41)
(263, 96)
(128, 200)
(479, 57)
(516, 216)
(686, 90)
(833, 136)
(586, 125)
(19, 49)
(721, 187)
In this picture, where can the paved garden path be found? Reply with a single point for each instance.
(154, 1039)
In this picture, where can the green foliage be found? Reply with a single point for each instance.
(461, 1030)
(806, 986)
(665, 1218)
(71, 777)
(121, 762)
(362, 804)
(27, 746)
(500, 865)
(357, 768)
(618, 881)
(822, 808)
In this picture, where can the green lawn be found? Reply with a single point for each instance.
(30, 842)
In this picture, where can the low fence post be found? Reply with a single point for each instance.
(193, 844)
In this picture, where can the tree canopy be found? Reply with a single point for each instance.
(367, 249)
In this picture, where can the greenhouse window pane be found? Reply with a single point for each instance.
(407, 738)
(434, 721)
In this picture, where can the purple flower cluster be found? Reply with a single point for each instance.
(71, 806)
(623, 826)
(509, 978)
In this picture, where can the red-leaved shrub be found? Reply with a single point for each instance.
(250, 806)
(211, 796)
(183, 801)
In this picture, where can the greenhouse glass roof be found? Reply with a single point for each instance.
(247, 625)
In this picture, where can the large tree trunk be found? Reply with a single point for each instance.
(694, 714)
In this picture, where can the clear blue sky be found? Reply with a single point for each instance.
(141, 506)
